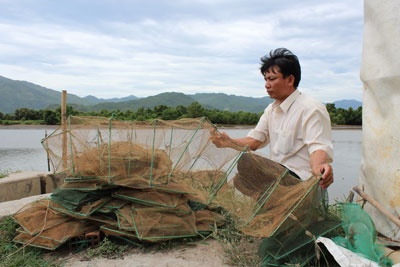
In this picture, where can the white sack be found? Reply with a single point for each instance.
(345, 257)
(380, 74)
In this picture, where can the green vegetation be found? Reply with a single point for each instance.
(338, 116)
(14, 255)
(4, 173)
(17, 255)
(241, 250)
(15, 94)
(107, 249)
(342, 116)
(19, 94)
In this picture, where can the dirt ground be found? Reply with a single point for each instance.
(208, 253)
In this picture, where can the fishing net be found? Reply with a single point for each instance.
(160, 180)
(149, 181)
(286, 212)
(360, 234)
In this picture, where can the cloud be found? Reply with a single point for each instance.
(139, 48)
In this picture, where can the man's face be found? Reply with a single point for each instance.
(278, 87)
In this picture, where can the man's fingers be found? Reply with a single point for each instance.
(326, 181)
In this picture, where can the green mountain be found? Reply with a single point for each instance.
(233, 103)
(93, 99)
(21, 94)
(170, 99)
(348, 103)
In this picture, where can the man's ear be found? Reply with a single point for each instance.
(291, 80)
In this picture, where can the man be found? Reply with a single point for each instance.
(297, 127)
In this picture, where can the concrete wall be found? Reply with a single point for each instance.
(27, 184)
(11, 207)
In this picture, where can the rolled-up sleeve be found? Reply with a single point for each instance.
(318, 132)
(261, 131)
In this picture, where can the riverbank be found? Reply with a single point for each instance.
(28, 127)
(230, 126)
(347, 127)
(208, 253)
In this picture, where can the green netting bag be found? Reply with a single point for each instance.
(360, 234)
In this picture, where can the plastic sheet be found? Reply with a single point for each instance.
(380, 74)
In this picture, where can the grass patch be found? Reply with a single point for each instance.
(4, 173)
(107, 249)
(22, 122)
(14, 255)
(241, 250)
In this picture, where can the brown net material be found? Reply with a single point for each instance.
(37, 217)
(207, 220)
(160, 180)
(265, 196)
(128, 160)
(144, 151)
(268, 202)
(54, 237)
(257, 174)
(164, 223)
(141, 179)
(117, 232)
(151, 197)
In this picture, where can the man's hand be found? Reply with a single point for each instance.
(327, 175)
(320, 168)
(220, 139)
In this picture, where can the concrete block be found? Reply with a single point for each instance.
(11, 207)
(52, 181)
(20, 185)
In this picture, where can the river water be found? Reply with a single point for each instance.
(21, 150)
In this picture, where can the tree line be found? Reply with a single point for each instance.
(339, 116)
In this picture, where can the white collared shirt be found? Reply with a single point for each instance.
(294, 129)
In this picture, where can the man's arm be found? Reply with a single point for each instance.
(320, 167)
(224, 140)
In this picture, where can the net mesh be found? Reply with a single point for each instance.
(360, 234)
(159, 180)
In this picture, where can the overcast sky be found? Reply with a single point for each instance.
(117, 48)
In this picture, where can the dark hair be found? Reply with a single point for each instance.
(285, 60)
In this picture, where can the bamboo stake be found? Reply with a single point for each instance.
(64, 127)
(377, 205)
(47, 151)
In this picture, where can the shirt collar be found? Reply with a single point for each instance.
(285, 105)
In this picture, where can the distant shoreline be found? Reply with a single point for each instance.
(28, 127)
(347, 127)
(53, 127)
